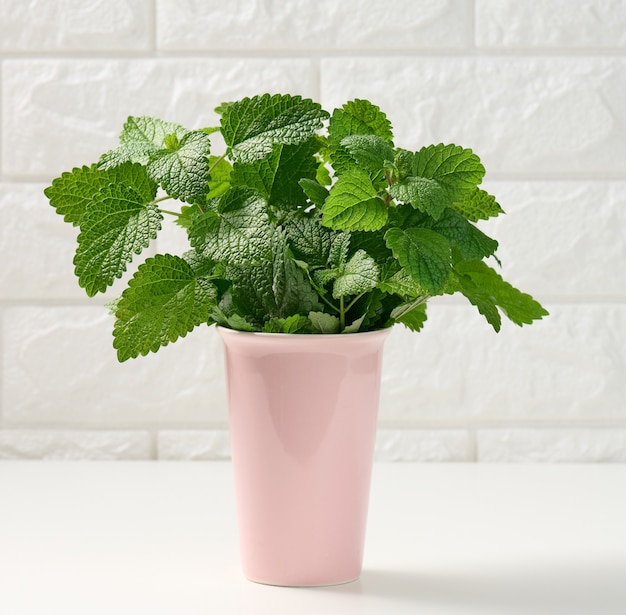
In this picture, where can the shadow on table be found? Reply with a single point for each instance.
(550, 588)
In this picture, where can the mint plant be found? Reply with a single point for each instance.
(308, 223)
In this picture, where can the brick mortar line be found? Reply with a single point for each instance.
(312, 53)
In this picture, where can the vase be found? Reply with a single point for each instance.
(302, 416)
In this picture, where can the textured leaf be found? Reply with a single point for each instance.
(314, 191)
(252, 126)
(292, 324)
(238, 233)
(357, 117)
(353, 204)
(478, 205)
(309, 240)
(458, 170)
(183, 172)
(415, 318)
(359, 275)
(71, 193)
(164, 301)
(291, 289)
(424, 254)
(277, 175)
(275, 288)
(472, 243)
(117, 224)
(370, 151)
(141, 137)
(219, 180)
(402, 284)
(487, 291)
(426, 195)
(324, 323)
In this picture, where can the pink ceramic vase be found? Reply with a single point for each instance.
(303, 412)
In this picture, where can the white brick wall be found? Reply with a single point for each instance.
(537, 88)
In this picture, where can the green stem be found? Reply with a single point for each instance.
(171, 213)
(342, 315)
(354, 301)
(216, 162)
(163, 198)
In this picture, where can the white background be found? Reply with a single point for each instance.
(537, 89)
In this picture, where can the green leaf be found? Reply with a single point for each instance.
(487, 291)
(141, 137)
(324, 323)
(314, 191)
(472, 243)
(400, 283)
(370, 151)
(219, 179)
(339, 247)
(231, 321)
(353, 204)
(277, 175)
(292, 324)
(478, 205)
(183, 171)
(117, 224)
(415, 318)
(309, 240)
(424, 194)
(359, 275)
(164, 300)
(237, 233)
(457, 170)
(71, 193)
(424, 254)
(252, 126)
(292, 292)
(357, 117)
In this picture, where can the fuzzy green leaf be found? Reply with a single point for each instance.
(424, 254)
(183, 171)
(370, 151)
(457, 170)
(164, 300)
(487, 291)
(292, 324)
(472, 243)
(314, 191)
(141, 137)
(426, 195)
(324, 323)
(359, 275)
(353, 204)
(357, 117)
(117, 224)
(72, 193)
(415, 318)
(277, 175)
(252, 126)
(478, 205)
(219, 180)
(309, 240)
(237, 233)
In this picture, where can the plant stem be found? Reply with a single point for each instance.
(342, 315)
(163, 198)
(216, 162)
(171, 213)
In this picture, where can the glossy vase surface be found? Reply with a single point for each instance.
(302, 412)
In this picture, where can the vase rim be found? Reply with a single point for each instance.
(329, 336)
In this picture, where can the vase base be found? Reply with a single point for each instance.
(303, 585)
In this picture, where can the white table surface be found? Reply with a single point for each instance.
(150, 538)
